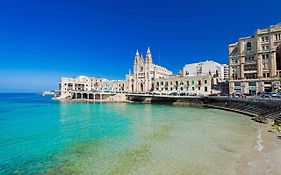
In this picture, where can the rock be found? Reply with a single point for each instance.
(270, 122)
(260, 119)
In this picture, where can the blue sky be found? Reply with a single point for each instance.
(40, 41)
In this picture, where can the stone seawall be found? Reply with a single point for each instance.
(262, 110)
(172, 100)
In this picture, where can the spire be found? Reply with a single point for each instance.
(137, 57)
(148, 56)
(137, 53)
(148, 50)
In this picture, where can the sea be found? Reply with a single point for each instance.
(39, 135)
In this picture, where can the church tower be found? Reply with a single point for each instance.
(136, 62)
(148, 69)
(148, 58)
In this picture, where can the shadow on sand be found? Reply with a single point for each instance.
(279, 137)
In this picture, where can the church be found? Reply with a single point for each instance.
(145, 73)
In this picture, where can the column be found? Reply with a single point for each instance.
(259, 66)
(231, 87)
(258, 44)
(230, 72)
(272, 64)
(242, 61)
(260, 87)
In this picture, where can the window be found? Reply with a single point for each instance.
(193, 88)
(265, 56)
(199, 88)
(199, 82)
(249, 59)
(206, 81)
(252, 83)
(234, 60)
(265, 47)
(187, 83)
(249, 46)
(192, 82)
(265, 39)
(277, 36)
(237, 84)
(206, 89)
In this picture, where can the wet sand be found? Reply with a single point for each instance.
(265, 156)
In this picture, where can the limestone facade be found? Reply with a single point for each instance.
(213, 68)
(147, 77)
(145, 73)
(93, 84)
(255, 62)
(188, 84)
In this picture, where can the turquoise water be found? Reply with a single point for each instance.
(42, 136)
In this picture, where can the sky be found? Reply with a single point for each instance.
(41, 41)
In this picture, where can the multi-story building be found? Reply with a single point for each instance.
(84, 83)
(255, 62)
(207, 67)
(189, 84)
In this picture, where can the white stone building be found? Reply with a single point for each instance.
(145, 73)
(147, 77)
(187, 84)
(207, 67)
(93, 84)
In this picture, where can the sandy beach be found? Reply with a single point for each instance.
(265, 157)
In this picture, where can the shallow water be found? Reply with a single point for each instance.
(41, 136)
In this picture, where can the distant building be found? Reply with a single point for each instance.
(212, 68)
(255, 62)
(147, 77)
(84, 83)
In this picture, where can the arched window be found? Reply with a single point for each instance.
(249, 45)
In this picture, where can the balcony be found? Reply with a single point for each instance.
(250, 71)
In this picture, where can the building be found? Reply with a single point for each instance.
(187, 84)
(147, 77)
(255, 62)
(225, 72)
(93, 84)
(145, 73)
(215, 69)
